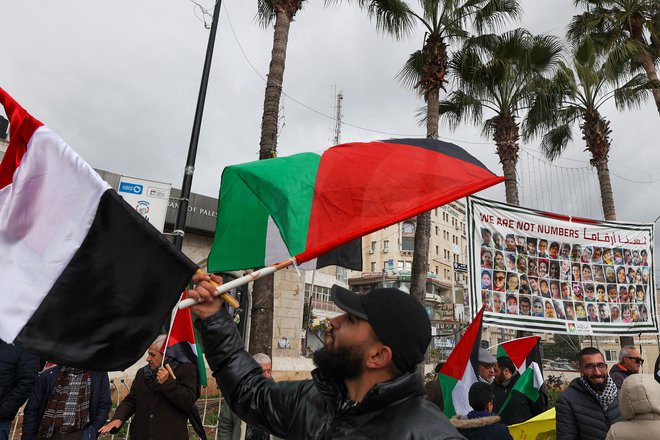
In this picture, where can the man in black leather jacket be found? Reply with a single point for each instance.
(365, 387)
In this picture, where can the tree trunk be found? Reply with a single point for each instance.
(261, 324)
(270, 118)
(506, 139)
(433, 79)
(596, 131)
(652, 74)
(635, 26)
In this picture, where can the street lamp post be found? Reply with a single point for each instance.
(186, 186)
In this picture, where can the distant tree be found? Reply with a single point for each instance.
(627, 31)
(499, 74)
(575, 95)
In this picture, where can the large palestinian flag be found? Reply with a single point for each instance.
(461, 370)
(306, 205)
(85, 280)
(525, 353)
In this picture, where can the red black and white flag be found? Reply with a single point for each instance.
(85, 281)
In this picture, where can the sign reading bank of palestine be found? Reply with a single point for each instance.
(150, 199)
(545, 272)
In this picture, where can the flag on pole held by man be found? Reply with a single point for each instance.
(85, 281)
(461, 370)
(525, 353)
(182, 343)
(306, 205)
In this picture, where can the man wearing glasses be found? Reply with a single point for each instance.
(589, 406)
(486, 366)
(629, 363)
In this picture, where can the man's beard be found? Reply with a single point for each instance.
(598, 387)
(342, 363)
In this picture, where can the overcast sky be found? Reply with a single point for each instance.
(119, 81)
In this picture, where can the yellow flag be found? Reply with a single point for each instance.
(541, 427)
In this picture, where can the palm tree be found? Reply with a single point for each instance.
(282, 13)
(445, 22)
(576, 94)
(628, 31)
(498, 73)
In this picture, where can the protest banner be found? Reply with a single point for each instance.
(546, 272)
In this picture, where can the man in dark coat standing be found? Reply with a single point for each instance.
(630, 362)
(67, 403)
(158, 402)
(18, 371)
(366, 385)
(589, 406)
(520, 408)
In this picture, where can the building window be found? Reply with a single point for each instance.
(373, 246)
(611, 356)
(320, 292)
(408, 243)
(408, 265)
(373, 266)
(436, 269)
(386, 245)
(408, 228)
(437, 250)
(437, 230)
(399, 265)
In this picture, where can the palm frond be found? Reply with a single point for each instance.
(413, 70)
(555, 141)
(632, 94)
(265, 12)
(461, 107)
(496, 13)
(392, 16)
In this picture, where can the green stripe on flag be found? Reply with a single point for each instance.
(201, 366)
(447, 384)
(501, 352)
(282, 188)
(525, 386)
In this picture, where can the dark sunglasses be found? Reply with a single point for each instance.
(640, 361)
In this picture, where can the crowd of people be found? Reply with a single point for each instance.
(366, 385)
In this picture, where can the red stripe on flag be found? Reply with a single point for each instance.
(361, 190)
(21, 128)
(182, 327)
(459, 358)
(518, 349)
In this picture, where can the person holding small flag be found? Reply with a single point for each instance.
(512, 402)
(161, 396)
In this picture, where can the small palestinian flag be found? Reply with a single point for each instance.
(182, 343)
(461, 370)
(525, 353)
(306, 205)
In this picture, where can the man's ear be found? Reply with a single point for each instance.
(379, 356)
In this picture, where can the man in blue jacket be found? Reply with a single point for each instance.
(18, 371)
(67, 403)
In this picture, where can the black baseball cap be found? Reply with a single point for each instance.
(398, 319)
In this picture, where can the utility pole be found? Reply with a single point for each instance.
(338, 117)
(186, 186)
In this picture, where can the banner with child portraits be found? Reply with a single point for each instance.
(546, 272)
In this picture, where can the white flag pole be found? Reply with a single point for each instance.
(223, 288)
